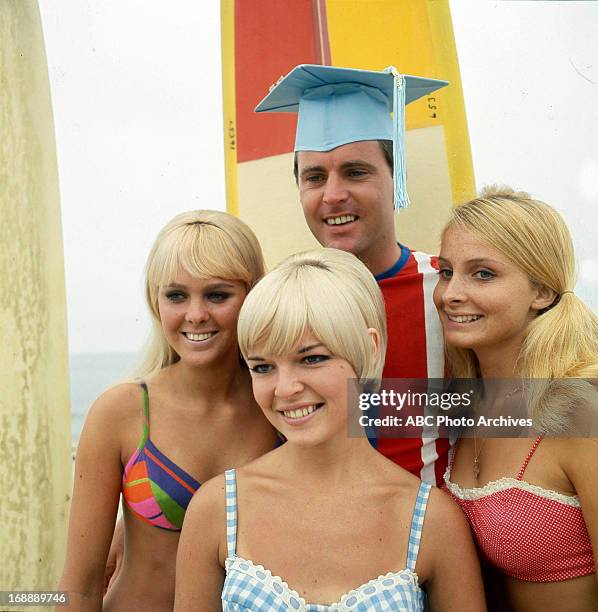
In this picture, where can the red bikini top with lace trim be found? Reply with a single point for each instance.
(525, 531)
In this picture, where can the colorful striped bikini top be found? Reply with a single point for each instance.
(155, 489)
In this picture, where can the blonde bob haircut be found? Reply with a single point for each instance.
(562, 341)
(204, 244)
(328, 292)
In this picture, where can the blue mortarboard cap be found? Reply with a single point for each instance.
(336, 106)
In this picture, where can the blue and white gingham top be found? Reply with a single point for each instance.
(249, 587)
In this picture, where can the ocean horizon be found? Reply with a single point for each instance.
(90, 375)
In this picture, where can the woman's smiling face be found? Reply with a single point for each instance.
(302, 393)
(483, 299)
(199, 317)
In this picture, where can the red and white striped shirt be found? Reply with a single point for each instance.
(415, 350)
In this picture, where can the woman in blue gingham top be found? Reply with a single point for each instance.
(324, 518)
(252, 587)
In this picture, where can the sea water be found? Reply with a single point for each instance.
(90, 375)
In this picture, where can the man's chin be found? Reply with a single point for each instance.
(343, 244)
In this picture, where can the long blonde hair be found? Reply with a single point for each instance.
(562, 341)
(203, 243)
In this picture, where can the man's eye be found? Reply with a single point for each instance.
(484, 274)
(261, 368)
(445, 273)
(314, 359)
(356, 173)
(314, 178)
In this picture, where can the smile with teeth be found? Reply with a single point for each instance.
(198, 337)
(341, 220)
(301, 412)
(463, 318)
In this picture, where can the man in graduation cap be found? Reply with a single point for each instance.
(350, 171)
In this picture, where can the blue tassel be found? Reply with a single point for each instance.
(401, 199)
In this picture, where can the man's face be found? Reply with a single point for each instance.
(347, 198)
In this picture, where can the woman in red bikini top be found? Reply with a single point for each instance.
(506, 302)
(190, 416)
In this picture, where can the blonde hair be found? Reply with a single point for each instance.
(203, 243)
(327, 291)
(562, 341)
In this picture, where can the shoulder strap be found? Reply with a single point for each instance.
(146, 426)
(417, 524)
(532, 450)
(451, 453)
(231, 512)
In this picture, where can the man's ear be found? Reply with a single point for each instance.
(374, 334)
(544, 298)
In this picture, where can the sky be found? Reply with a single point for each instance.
(136, 91)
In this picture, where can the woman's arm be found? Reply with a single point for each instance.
(455, 581)
(115, 555)
(580, 462)
(201, 552)
(94, 506)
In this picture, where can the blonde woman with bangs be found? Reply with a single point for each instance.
(506, 299)
(324, 518)
(190, 415)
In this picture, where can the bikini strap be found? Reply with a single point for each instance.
(146, 426)
(532, 450)
(417, 524)
(231, 512)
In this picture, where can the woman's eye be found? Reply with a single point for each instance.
(175, 296)
(217, 296)
(314, 359)
(261, 368)
(484, 274)
(445, 273)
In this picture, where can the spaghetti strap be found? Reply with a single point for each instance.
(231, 512)
(530, 454)
(146, 425)
(452, 453)
(417, 524)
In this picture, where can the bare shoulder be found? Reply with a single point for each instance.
(117, 403)
(442, 513)
(113, 417)
(205, 518)
(445, 524)
(578, 457)
(209, 502)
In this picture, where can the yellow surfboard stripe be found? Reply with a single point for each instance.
(455, 122)
(423, 44)
(227, 17)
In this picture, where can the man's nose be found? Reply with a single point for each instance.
(335, 190)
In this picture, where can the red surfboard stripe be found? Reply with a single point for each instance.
(271, 38)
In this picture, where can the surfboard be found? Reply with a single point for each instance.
(35, 422)
(263, 41)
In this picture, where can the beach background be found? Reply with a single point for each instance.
(90, 375)
(137, 98)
